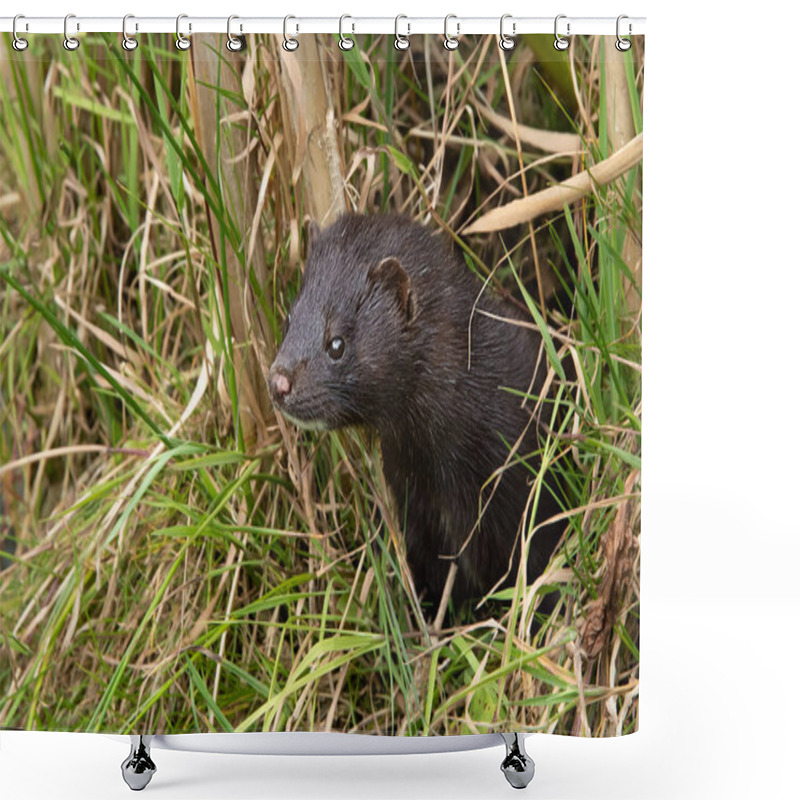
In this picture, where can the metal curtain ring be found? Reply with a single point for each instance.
(181, 42)
(18, 43)
(508, 42)
(623, 44)
(451, 42)
(401, 42)
(345, 43)
(290, 44)
(128, 42)
(561, 43)
(234, 43)
(70, 42)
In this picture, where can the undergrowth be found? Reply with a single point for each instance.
(160, 573)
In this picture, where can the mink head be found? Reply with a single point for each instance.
(347, 357)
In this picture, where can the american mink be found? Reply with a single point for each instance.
(383, 334)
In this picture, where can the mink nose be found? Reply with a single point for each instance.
(279, 384)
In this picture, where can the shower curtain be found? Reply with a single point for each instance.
(180, 557)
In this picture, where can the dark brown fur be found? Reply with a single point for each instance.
(401, 303)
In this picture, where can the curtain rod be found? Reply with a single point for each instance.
(456, 26)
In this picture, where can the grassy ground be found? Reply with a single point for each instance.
(162, 574)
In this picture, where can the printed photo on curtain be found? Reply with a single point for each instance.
(320, 383)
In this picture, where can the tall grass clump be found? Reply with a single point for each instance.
(177, 559)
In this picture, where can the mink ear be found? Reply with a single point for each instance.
(390, 275)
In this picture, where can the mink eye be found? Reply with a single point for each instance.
(335, 348)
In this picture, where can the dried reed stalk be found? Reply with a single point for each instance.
(556, 197)
(311, 130)
(213, 75)
(621, 131)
